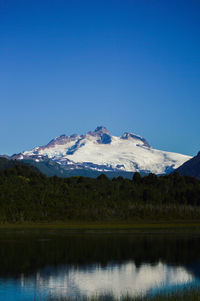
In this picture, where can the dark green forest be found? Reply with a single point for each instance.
(28, 195)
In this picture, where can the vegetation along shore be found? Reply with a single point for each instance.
(26, 195)
(191, 294)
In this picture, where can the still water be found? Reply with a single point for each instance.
(38, 264)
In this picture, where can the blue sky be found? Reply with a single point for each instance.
(131, 65)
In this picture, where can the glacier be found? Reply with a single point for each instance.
(101, 151)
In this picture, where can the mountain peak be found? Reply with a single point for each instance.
(102, 129)
(102, 134)
(128, 136)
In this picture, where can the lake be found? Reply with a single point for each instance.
(35, 264)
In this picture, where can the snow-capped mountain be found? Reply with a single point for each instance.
(99, 150)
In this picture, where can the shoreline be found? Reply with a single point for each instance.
(113, 225)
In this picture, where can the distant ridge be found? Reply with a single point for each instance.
(191, 167)
(6, 163)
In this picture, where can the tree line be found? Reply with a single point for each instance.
(28, 195)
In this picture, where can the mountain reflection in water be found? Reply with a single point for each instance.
(36, 264)
(115, 279)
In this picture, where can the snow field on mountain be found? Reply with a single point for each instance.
(122, 154)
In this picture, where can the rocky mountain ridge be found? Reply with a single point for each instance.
(100, 151)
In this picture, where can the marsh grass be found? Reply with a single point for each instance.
(112, 225)
(191, 294)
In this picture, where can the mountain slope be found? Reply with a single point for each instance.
(6, 163)
(100, 151)
(51, 168)
(191, 167)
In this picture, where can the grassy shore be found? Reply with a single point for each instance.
(113, 225)
(192, 294)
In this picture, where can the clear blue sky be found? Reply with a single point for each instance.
(131, 65)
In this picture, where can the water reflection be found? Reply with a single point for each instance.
(115, 279)
(34, 265)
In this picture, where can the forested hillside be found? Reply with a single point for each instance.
(191, 167)
(27, 195)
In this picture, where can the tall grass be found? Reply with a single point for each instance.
(191, 294)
